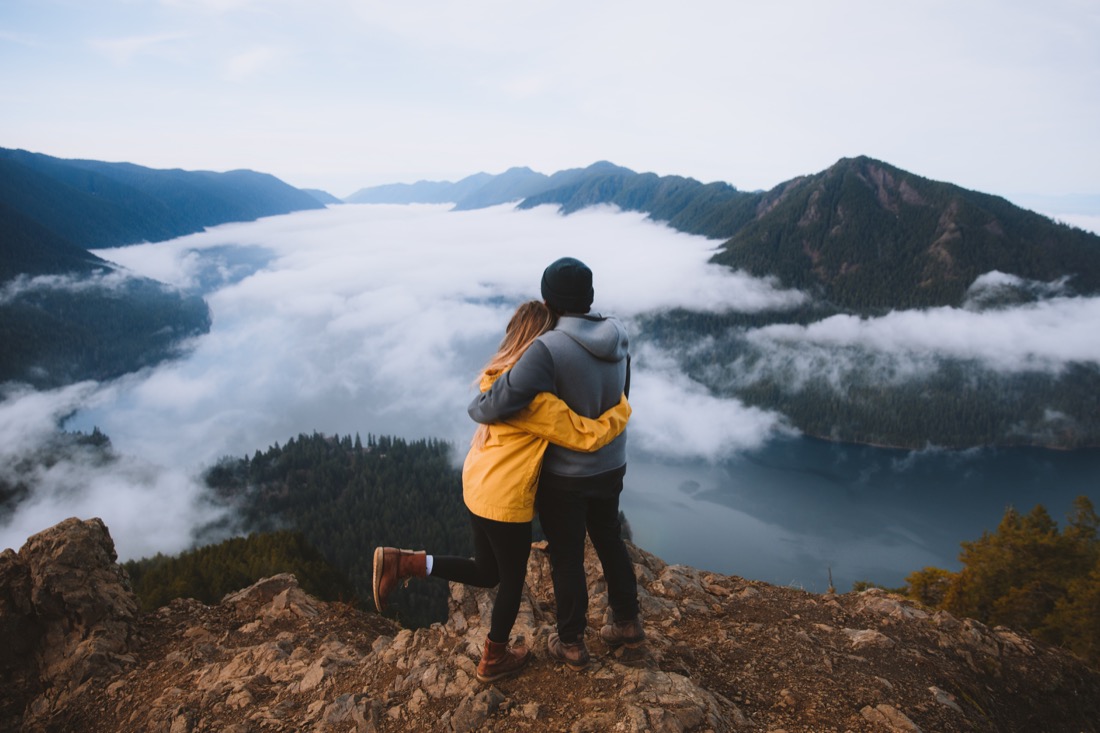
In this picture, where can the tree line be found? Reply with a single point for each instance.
(209, 573)
(317, 507)
(1027, 575)
(346, 496)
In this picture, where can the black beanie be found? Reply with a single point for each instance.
(567, 286)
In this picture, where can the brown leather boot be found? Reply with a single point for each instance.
(575, 654)
(624, 633)
(392, 565)
(498, 661)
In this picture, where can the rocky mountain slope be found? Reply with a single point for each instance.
(867, 236)
(724, 654)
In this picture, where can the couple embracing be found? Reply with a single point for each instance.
(552, 411)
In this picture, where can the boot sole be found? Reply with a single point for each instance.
(379, 556)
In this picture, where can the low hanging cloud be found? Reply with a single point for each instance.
(366, 319)
(999, 289)
(22, 285)
(378, 318)
(150, 508)
(1041, 336)
(684, 420)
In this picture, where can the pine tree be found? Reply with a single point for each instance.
(1029, 576)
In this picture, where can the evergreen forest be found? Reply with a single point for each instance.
(317, 507)
(57, 333)
(209, 573)
(346, 496)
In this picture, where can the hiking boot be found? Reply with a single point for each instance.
(392, 565)
(498, 661)
(575, 655)
(624, 633)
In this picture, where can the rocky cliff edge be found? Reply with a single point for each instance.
(724, 654)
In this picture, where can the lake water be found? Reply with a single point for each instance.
(790, 512)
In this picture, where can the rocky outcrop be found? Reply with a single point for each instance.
(67, 609)
(723, 654)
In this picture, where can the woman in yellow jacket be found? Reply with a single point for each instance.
(499, 478)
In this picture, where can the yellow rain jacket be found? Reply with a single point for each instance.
(499, 479)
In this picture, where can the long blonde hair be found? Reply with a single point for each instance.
(531, 320)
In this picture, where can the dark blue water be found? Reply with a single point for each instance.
(798, 509)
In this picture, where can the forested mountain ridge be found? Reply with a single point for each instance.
(29, 248)
(87, 321)
(862, 235)
(421, 192)
(93, 204)
(866, 235)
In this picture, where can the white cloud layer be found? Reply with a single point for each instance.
(680, 419)
(366, 319)
(149, 507)
(21, 285)
(376, 319)
(1042, 336)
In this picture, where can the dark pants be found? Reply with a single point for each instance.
(568, 507)
(500, 556)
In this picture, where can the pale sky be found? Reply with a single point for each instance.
(993, 95)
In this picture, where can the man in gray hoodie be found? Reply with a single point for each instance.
(584, 361)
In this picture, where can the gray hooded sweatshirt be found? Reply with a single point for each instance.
(584, 362)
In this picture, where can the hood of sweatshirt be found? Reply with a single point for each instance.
(603, 337)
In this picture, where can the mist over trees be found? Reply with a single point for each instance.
(17, 483)
(60, 333)
(853, 394)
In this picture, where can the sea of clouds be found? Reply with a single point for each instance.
(376, 319)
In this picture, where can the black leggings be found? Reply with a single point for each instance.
(500, 557)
